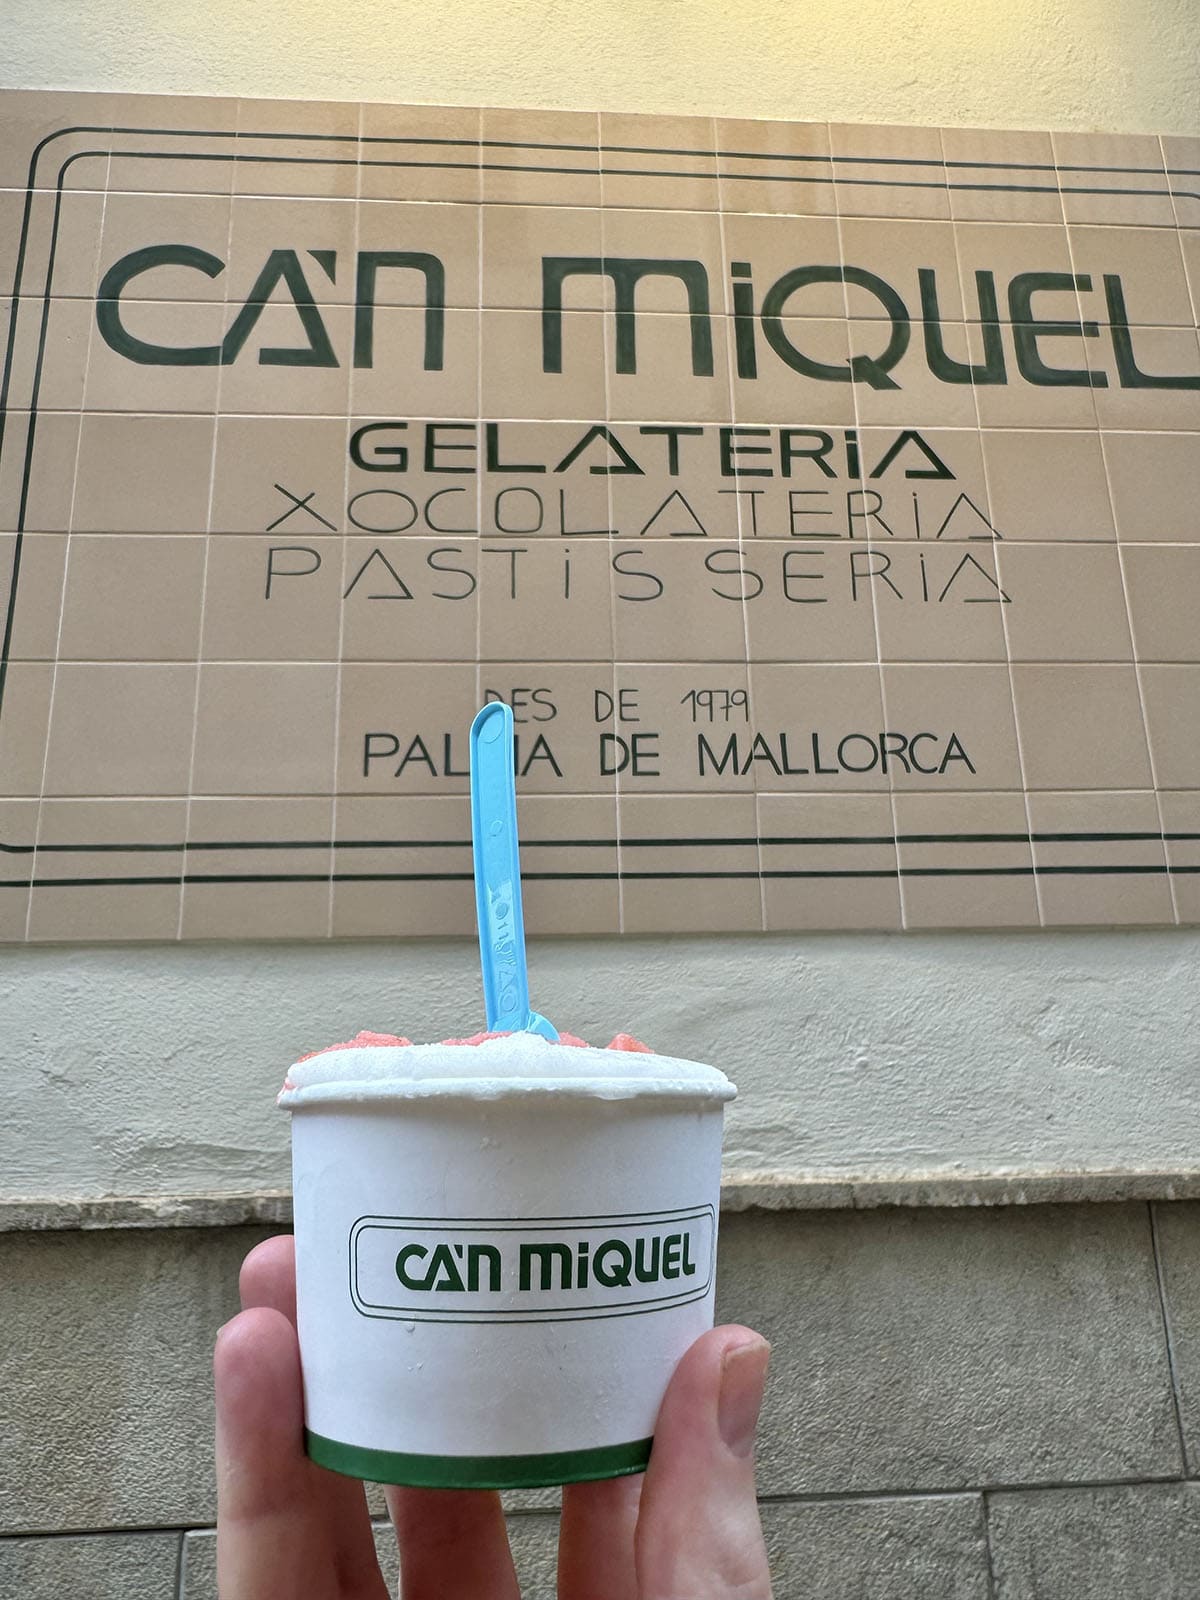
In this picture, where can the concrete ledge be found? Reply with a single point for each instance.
(740, 1191)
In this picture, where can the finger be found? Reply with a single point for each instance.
(453, 1545)
(595, 1541)
(267, 1544)
(268, 1279)
(699, 1532)
(268, 1276)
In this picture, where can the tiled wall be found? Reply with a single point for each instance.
(964, 1405)
(243, 654)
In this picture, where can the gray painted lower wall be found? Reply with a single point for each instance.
(964, 1405)
(152, 1070)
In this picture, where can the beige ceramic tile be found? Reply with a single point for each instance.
(677, 371)
(1153, 291)
(783, 168)
(38, 573)
(1181, 826)
(888, 171)
(816, 601)
(420, 153)
(275, 598)
(1172, 698)
(930, 484)
(659, 163)
(688, 485)
(1189, 240)
(569, 865)
(966, 861)
(198, 222)
(162, 145)
(679, 600)
(120, 729)
(76, 245)
(895, 383)
(411, 599)
(540, 157)
(55, 245)
(1068, 602)
(22, 326)
(814, 728)
(563, 753)
(413, 477)
(1156, 386)
(68, 332)
(283, 475)
(1047, 381)
(241, 854)
(24, 725)
(402, 730)
(18, 829)
(941, 602)
(515, 240)
(803, 372)
(682, 240)
(828, 862)
(679, 880)
(320, 234)
(103, 838)
(137, 895)
(121, 486)
(33, 118)
(669, 728)
(1049, 485)
(12, 223)
(1113, 178)
(305, 148)
(407, 365)
(1155, 483)
(114, 383)
(519, 379)
(561, 714)
(1181, 155)
(288, 364)
(403, 867)
(1081, 727)
(51, 481)
(1001, 176)
(546, 600)
(957, 728)
(133, 598)
(1008, 252)
(1118, 837)
(535, 485)
(1164, 601)
(897, 253)
(449, 232)
(775, 246)
(265, 729)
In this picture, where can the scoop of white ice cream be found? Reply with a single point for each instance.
(504, 1065)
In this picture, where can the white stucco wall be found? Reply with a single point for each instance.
(1122, 65)
(142, 1070)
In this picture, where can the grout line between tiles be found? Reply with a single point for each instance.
(1164, 1302)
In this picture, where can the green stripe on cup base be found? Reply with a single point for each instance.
(478, 1472)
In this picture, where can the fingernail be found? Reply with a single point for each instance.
(743, 1375)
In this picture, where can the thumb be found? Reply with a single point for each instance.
(698, 1532)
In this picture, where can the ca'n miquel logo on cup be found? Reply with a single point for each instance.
(434, 1269)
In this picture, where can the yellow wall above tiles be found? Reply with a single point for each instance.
(1117, 64)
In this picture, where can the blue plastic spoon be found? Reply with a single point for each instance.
(498, 877)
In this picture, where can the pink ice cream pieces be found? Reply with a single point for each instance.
(626, 1041)
(365, 1040)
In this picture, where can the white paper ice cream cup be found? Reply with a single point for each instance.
(502, 1251)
